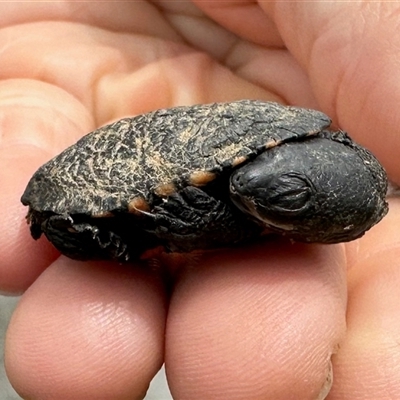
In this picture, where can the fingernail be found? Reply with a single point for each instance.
(326, 388)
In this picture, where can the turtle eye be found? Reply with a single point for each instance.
(288, 194)
(277, 199)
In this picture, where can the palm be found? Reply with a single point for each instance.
(285, 306)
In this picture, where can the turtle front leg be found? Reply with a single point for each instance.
(193, 219)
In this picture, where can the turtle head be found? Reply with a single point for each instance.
(324, 189)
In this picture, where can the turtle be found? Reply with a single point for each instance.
(206, 176)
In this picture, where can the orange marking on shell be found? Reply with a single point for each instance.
(201, 178)
(272, 143)
(165, 190)
(105, 214)
(138, 204)
(314, 132)
(238, 161)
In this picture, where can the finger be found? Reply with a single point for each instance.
(99, 326)
(234, 15)
(367, 364)
(122, 72)
(123, 17)
(260, 323)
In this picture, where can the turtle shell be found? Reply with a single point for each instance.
(123, 165)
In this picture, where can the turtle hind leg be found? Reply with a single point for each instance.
(193, 219)
(94, 239)
(73, 240)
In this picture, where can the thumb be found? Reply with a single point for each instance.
(349, 52)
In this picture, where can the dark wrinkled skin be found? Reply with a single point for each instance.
(326, 189)
(310, 184)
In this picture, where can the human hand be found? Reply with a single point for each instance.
(251, 323)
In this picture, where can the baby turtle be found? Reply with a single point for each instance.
(206, 176)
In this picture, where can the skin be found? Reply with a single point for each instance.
(250, 323)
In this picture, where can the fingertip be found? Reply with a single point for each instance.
(98, 325)
(257, 322)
